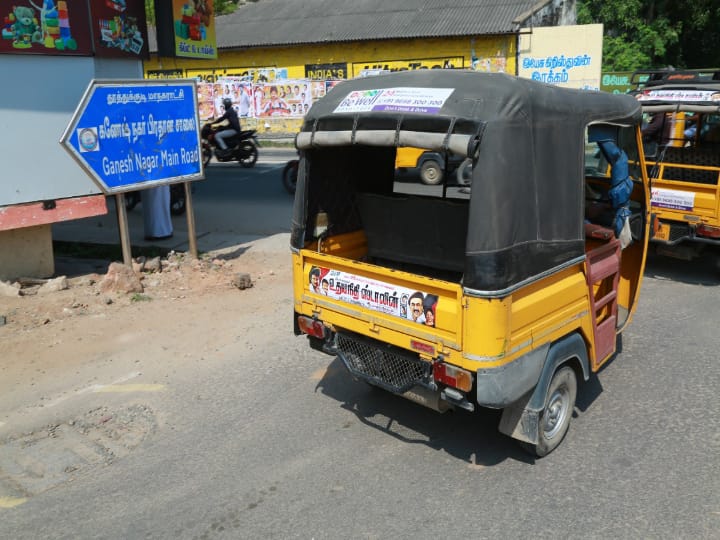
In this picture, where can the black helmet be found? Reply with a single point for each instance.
(227, 103)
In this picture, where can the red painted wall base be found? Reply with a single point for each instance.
(42, 213)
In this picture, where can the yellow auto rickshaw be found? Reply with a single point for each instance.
(506, 293)
(682, 141)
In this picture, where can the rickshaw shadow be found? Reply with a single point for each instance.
(472, 438)
(704, 270)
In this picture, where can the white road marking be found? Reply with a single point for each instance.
(11, 502)
(93, 388)
(117, 388)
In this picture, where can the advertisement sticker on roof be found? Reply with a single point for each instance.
(677, 95)
(412, 100)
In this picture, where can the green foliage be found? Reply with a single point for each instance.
(150, 12)
(698, 45)
(223, 7)
(638, 33)
(138, 297)
(644, 34)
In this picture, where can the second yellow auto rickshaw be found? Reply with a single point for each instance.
(682, 142)
(506, 293)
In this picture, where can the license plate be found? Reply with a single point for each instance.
(663, 232)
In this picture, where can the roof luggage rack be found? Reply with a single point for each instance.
(651, 77)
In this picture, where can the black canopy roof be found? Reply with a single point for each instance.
(526, 208)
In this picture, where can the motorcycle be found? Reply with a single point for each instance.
(177, 199)
(290, 175)
(242, 147)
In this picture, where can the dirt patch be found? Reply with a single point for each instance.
(190, 307)
(58, 346)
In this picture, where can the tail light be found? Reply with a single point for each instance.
(707, 230)
(453, 376)
(312, 327)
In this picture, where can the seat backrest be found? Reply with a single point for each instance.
(416, 230)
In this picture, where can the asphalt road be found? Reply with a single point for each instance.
(277, 441)
(247, 201)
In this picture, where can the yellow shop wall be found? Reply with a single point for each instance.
(482, 53)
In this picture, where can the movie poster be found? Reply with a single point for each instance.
(289, 98)
(120, 28)
(412, 305)
(194, 28)
(239, 90)
(45, 27)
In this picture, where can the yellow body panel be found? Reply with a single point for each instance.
(471, 332)
(407, 157)
(705, 198)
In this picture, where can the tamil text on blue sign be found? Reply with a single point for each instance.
(137, 135)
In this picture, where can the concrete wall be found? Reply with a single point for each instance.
(26, 252)
(38, 98)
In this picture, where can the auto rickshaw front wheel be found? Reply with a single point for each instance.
(431, 172)
(555, 417)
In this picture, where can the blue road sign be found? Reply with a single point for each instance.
(131, 135)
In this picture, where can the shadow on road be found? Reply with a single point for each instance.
(701, 271)
(470, 437)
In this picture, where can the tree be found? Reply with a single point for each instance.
(224, 7)
(636, 32)
(643, 34)
(697, 47)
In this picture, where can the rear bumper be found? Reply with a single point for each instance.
(398, 371)
(383, 365)
(681, 232)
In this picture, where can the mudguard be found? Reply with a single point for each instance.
(520, 420)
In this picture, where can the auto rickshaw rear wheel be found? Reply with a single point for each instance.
(431, 173)
(555, 417)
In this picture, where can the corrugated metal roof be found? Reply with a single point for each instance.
(292, 22)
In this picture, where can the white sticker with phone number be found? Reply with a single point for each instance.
(672, 199)
(413, 100)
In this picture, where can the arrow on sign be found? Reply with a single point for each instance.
(130, 135)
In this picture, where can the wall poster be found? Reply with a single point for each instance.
(52, 27)
(120, 28)
(194, 28)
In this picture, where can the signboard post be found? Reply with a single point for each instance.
(130, 135)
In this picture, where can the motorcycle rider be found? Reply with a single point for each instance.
(232, 128)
